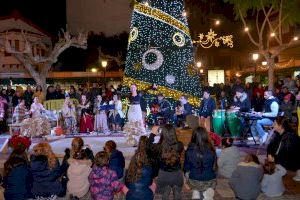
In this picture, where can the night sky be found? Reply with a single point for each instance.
(50, 15)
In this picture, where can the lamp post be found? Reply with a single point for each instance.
(104, 65)
(255, 57)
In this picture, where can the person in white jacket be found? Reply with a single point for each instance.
(271, 184)
(78, 173)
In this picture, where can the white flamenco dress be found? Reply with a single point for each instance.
(134, 127)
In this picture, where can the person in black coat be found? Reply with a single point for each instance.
(46, 172)
(17, 178)
(208, 105)
(116, 158)
(51, 94)
(138, 178)
(258, 102)
(285, 145)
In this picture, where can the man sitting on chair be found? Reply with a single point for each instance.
(208, 105)
(270, 113)
(161, 108)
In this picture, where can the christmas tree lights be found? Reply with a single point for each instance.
(160, 51)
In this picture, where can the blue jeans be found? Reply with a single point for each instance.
(257, 128)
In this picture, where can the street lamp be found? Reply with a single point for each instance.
(104, 65)
(255, 57)
(94, 70)
(199, 64)
(264, 63)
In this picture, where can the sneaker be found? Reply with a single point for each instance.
(196, 194)
(208, 194)
(297, 177)
(251, 138)
(264, 138)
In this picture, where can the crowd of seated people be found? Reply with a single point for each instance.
(157, 167)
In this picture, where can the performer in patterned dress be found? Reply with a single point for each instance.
(69, 115)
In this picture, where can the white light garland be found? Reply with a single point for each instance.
(157, 64)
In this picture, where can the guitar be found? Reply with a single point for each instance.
(155, 109)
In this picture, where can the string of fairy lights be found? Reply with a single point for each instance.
(160, 51)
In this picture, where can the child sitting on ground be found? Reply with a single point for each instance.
(104, 181)
(78, 173)
(272, 184)
(116, 158)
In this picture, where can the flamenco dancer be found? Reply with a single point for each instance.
(134, 127)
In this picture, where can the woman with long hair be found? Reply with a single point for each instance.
(167, 154)
(16, 180)
(138, 178)
(285, 145)
(200, 163)
(46, 173)
(134, 127)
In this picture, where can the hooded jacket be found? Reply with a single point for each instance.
(245, 180)
(78, 173)
(45, 180)
(228, 161)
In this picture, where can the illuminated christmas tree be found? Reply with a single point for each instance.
(160, 50)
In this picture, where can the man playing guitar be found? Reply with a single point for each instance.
(161, 108)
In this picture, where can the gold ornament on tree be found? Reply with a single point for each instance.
(191, 70)
(137, 67)
(210, 39)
